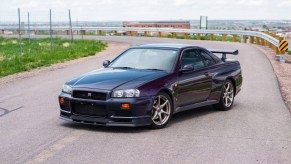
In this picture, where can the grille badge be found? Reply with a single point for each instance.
(89, 94)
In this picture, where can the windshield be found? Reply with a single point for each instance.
(153, 59)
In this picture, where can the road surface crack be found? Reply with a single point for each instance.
(6, 111)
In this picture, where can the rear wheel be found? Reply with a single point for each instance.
(227, 96)
(161, 111)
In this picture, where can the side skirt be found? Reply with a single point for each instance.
(197, 105)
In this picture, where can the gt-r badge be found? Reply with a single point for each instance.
(89, 94)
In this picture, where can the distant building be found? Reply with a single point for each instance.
(158, 24)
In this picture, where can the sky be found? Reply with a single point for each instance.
(121, 10)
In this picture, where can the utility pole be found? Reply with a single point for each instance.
(51, 32)
(19, 32)
(28, 28)
(82, 31)
(72, 37)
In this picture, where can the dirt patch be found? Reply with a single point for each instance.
(1, 57)
(113, 47)
(66, 44)
(283, 73)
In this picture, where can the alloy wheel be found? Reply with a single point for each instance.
(228, 94)
(161, 111)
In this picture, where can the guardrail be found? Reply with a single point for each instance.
(263, 38)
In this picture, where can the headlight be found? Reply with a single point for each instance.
(67, 89)
(126, 93)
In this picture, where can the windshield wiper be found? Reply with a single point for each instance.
(154, 69)
(123, 67)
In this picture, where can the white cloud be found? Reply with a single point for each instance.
(151, 9)
(182, 2)
(285, 3)
(251, 2)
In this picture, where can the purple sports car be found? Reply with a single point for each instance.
(147, 84)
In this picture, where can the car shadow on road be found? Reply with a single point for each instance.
(179, 117)
(191, 114)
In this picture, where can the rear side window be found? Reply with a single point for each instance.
(192, 57)
(208, 60)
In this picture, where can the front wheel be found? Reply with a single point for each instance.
(161, 111)
(227, 96)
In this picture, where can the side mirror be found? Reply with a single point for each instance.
(106, 63)
(187, 68)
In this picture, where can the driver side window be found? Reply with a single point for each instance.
(192, 57)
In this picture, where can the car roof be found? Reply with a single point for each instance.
(175, 46)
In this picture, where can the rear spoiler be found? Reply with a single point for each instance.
(224, 52)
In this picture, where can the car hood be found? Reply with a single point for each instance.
(109, 78)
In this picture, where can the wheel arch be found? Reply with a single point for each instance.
(167, 91)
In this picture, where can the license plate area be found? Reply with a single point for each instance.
(90, 109)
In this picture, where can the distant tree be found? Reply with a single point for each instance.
(265, 27)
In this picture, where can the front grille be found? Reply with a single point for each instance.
(89, 95)
(89, 109)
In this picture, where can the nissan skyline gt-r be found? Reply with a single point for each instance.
(147, 84)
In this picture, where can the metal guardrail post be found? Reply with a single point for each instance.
(211, 37)
(160, 34)
(198, 36)
(116, 33)
(263, 42)
(83, 32)
(234, 38)
(260, 41)
(173, 35)
(266, 43)
(251, 39)
(186, 36)
(223, 37)
(100, 33)
(145, 33)
(131, 33)
(257, 40)
(244, 39)
(3, 31)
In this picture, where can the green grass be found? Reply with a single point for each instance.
(38, 53)
(289, 52)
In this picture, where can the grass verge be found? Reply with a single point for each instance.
(37, 53)
(289, 52)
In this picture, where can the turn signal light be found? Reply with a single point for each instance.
(62, 100)
(125, 106)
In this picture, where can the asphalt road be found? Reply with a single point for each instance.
(256, 130)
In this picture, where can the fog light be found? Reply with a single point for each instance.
(62, 100)
(125, 106)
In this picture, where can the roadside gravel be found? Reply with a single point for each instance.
(282, 71)
(113, 48)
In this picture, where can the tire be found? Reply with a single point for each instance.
(227, 96)
(162, 110)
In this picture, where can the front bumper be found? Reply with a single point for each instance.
(138, 114)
